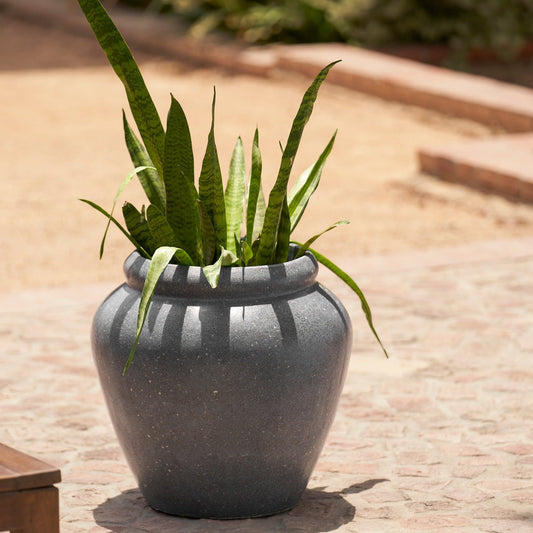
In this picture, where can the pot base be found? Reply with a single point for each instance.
(253, 499)
(217, 516)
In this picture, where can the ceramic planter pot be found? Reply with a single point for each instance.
(232, 391)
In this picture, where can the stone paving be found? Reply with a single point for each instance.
(502, 164)
(438, 438)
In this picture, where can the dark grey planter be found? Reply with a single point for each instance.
(232, 391)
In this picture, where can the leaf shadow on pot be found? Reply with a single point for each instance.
(318, 511)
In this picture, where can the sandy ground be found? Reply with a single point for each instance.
(61, 140)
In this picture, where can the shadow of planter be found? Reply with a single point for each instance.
(318, 511)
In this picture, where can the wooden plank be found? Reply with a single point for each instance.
(19, 471)
(30, 511)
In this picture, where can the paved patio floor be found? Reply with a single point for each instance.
(438, 438)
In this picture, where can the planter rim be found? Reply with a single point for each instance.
(255, 282)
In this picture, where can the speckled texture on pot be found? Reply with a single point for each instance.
(232, 391)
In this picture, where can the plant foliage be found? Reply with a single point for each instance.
(261, 21)
(201, 224)
(502, 26)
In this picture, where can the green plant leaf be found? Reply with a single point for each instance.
(353, 285)
(211, 188)
(138, 227)
(182, 209)
(160, 260)
(183, 258)
(212, 272)
(255, 247)
(278, 193)
(306, 185)
(137, 245)
(123, 63)
(150, 179)
(208, 235)
(259, 216)
(162, 232)
(125, 181)
(238, 248)
(255, 208)
(304, 247)
(234, 197)
(246, 253)
(284, 233)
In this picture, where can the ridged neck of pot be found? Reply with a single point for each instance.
(255, 282)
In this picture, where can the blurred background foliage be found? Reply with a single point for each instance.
(501, 26)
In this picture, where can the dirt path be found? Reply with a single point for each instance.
(62, 140)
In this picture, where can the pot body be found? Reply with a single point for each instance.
(232, 390)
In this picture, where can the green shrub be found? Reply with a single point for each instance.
(267, 20)
(498, 25)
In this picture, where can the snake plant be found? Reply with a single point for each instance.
(191, 224)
